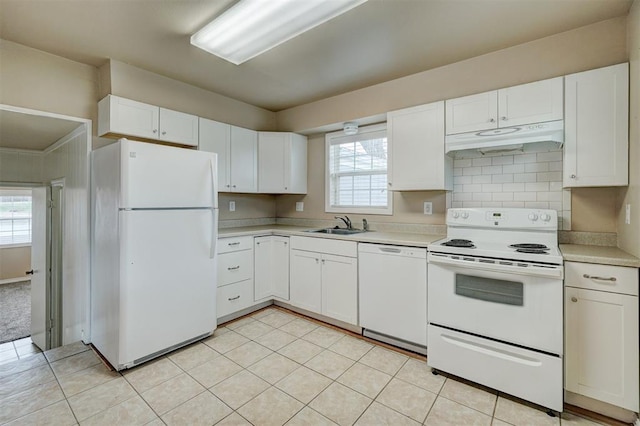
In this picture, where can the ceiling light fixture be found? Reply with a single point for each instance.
(252, 27)
(350, 128)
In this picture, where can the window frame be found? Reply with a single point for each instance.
(328, 208)
(18, 193)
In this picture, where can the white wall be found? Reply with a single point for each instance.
(18, 166)
(69, 160)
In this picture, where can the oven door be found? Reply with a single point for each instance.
(509, 304)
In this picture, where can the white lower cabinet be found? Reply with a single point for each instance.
(271, 265)
(322, 282)
(235, 275)
(601, 333)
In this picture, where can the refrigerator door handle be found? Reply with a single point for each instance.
(214, 233)
(214, 185)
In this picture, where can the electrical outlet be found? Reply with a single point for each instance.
(627, 214)
(299, 206)
(232, 206)
(428, 207)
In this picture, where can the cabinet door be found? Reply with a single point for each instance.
(601, 333)
(216, 137)
(263, 267)
(416, 149)
(597, 127)
(271, 161)
(305, 286)
(178, 127)
(296, 167)
(340, 288)
(244, 160)
(530, 103)
(472, 113)
(280, 267)
(129, 118)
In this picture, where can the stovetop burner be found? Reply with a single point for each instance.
(533, 250)
(457, 242)
(529, 246)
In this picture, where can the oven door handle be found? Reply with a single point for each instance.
(494, 352)
(531, 270)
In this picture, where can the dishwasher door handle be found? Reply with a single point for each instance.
(390, 250)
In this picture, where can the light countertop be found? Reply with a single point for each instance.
(598, 254)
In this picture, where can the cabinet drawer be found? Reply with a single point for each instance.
(226, 245)
(234, 297)
(234, 267)
(325, 245)
(615, 279)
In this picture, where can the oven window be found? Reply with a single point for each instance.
(490, 290)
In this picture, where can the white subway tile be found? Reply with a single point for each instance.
(503, 178)
(513, 204)
(566, 199)
(550, 196)
(524, 196)
(549, 176)
(513, 187)
(555, 186)
(456, 204)
(550, 156)
(491, 170)
(484, 161)
(536, 204)
(502, 196)
(492, 204)
(536, 186)
(474, 187)
(457, 188)
(492, 187)
(470, 171)
(513, 168)
(524, 158)
(481, 196)
(524, 177)
(536, 167)
(566, 220)
(462, 162)
(503, 159)
(555, 166)
(471, 204)
(462, 196)
(555, 206)
(457, 171)
(461, 180)
(482, 179)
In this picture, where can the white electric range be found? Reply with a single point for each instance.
(495, 302)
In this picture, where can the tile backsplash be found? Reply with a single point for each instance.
(529, 179)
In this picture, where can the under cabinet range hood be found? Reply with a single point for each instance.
(536, 137)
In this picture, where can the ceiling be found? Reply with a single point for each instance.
(375, 42)
(25, 131)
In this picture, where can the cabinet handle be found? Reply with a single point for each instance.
(323, 261)
(164, 132)
(285, 243)
(317, 260)
(593, 277)
(228, 185)
(236, 243)
(155, 130)
(503, 118)
(574, 299)
(234, 186)
(233, 268)
(285, 188)
(258, 242)
(390, 184)
(572, 176)
(234, 298)
(492, 120)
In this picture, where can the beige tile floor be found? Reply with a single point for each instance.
(270, 368)
(18, 349)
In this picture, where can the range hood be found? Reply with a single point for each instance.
(529, 137)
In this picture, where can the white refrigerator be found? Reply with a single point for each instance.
(154, 234)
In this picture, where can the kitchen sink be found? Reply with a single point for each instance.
(337, 231)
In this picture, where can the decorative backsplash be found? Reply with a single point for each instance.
(531, 180)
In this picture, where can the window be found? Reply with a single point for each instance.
(356, 172)
(15, 216)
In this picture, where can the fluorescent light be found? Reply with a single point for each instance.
(252, 27)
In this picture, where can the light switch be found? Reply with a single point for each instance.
(232, 206)
(299, 206)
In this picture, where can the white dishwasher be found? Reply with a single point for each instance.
(393, 294)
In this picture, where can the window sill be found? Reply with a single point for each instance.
(4, 246)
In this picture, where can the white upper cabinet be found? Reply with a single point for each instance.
(125, 117)
(597, 127)
(416, 149)
(513, 106)
(282, 163)
(237, 154)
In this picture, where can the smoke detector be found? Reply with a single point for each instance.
(350, 128)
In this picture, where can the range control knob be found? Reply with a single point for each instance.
(455, 214)
(465, 215)
(533, 216)
(545, 217)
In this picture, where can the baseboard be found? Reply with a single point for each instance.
(14, 280)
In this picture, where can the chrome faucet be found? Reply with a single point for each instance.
(346, 221)
(365, 225)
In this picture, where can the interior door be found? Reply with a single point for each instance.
(40, 267)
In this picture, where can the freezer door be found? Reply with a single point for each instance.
(168, 279)
(158, 176)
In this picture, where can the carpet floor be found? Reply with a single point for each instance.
(15, 311)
